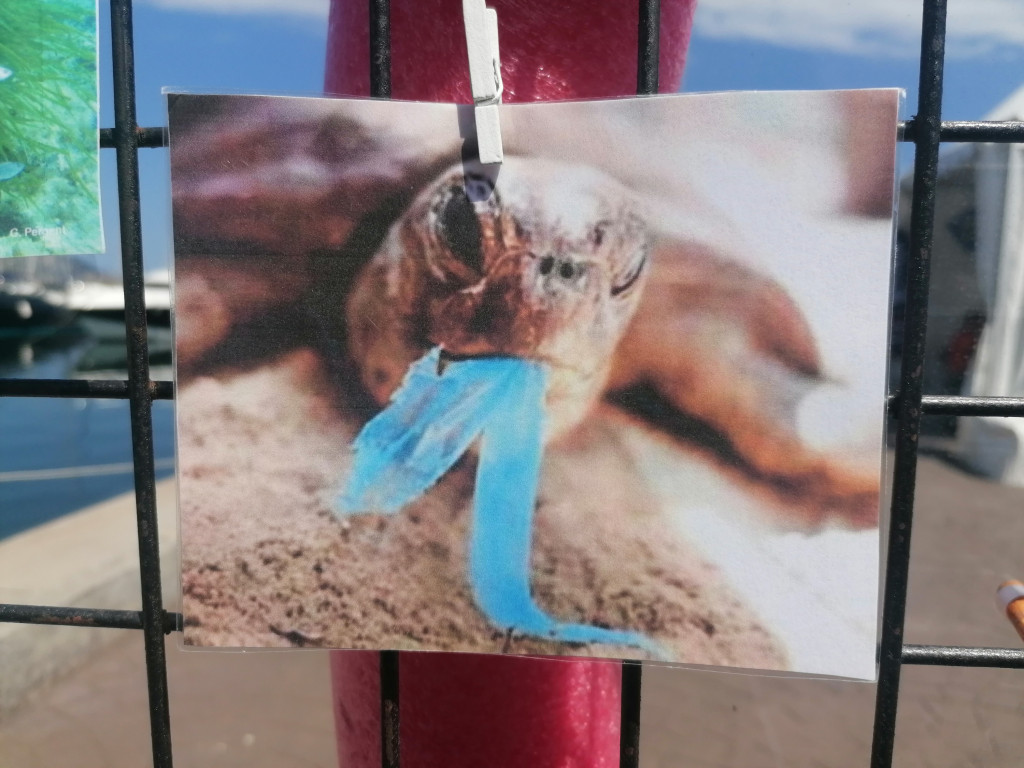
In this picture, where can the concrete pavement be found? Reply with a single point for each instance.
(273, 709)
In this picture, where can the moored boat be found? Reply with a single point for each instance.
(99, 305)
(33, 298)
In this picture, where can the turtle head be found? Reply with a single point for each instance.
(544, 261)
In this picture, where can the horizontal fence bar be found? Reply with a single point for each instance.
(83, 617)
(148, 137)
(953, 656)
(966, 131)
(921, 655)
(949, 405)
(101, 389)
(950, 131)
(963, 405)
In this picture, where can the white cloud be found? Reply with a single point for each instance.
(872, 27)
(309, 9)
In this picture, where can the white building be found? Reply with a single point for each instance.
(991, 445)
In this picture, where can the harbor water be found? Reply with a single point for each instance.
(58, 455)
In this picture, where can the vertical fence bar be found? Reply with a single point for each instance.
(629, 735)
(648, 31)
(922, 217)
(380, 48)
(647, 47)
(380, 87)
(390, 736)
(126, 142)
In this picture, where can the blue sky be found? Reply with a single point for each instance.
(254, 46)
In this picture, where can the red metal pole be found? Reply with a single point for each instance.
(571, 49)
(461, 711)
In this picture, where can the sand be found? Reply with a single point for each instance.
(263, 450)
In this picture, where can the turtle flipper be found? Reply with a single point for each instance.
(501, 539)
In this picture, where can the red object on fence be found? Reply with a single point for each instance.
(462, 711)
(573, 49)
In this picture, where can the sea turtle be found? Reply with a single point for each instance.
(394, 235)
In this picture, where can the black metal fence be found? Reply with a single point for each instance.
(907, 405)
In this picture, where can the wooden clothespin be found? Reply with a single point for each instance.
(484, 76)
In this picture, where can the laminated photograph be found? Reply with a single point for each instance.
(621, 395)
(49, 137)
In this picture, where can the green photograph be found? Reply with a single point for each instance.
(49, 150)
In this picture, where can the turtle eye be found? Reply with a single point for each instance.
(631, 277)
(459, 229)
